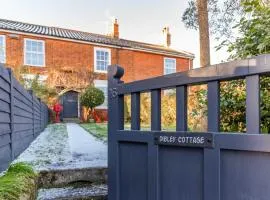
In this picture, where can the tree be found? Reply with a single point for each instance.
(214, 16)
(254, 29)
(203, 32)
(223, 15)
(91, 98)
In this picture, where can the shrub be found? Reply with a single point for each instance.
(91, 98)
(197, 108)
(42, 90)
(19, 180)
(168, 109)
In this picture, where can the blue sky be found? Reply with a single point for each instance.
(140, 20)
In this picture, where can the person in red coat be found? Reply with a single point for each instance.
(57, 108)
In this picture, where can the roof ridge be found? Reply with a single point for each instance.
(87, 36)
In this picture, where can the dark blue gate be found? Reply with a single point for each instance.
(160, 165)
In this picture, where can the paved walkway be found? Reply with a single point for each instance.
(85, 148)
(65, 146)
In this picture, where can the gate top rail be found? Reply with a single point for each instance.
(224, 71)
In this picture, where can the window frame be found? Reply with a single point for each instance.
(95, 58)
(164, 67)
(102, 83)
(4, 47)
(25, 51)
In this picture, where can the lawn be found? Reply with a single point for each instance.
(98, 130)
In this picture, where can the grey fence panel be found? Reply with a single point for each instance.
(5, 129)
(163, 165)
(22, 117)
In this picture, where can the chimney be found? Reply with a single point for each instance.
(166, 37)
(114, 29)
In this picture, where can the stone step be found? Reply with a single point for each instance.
(65, 177)
(71, 120)
(94, 192)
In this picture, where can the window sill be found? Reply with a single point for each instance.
(27, 65)
(100, 72)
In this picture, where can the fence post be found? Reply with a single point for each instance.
(11, 113)
(33, 116)
(116, 122)
(39, 101)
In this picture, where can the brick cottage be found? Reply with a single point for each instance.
(69, 60)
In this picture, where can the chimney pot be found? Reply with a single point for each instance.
(167, 37)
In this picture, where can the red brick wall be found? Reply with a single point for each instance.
(59, 53)
(68, 54)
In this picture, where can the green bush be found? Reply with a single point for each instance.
(91, 98)
(233, 105)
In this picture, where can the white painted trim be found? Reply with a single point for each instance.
(44, 52)
(4, 47)
(95, 58)
(79, 106)
(100, 44)
(164, 64)
(101, 83)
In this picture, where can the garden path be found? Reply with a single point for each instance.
(65, 146)
(85, 148)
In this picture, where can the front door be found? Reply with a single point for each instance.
(70, 105)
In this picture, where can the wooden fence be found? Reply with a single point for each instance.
(22, 117)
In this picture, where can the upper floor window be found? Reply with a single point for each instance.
(169, 65)
(102, 59)
(2, 49)
(34, 52)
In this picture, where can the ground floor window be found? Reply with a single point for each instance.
(29, 78)
(102, 85)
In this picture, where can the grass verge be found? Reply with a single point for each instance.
(98, 130)
(18, 181)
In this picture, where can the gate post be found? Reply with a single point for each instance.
(115, 122)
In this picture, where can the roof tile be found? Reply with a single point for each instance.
(88, 37)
